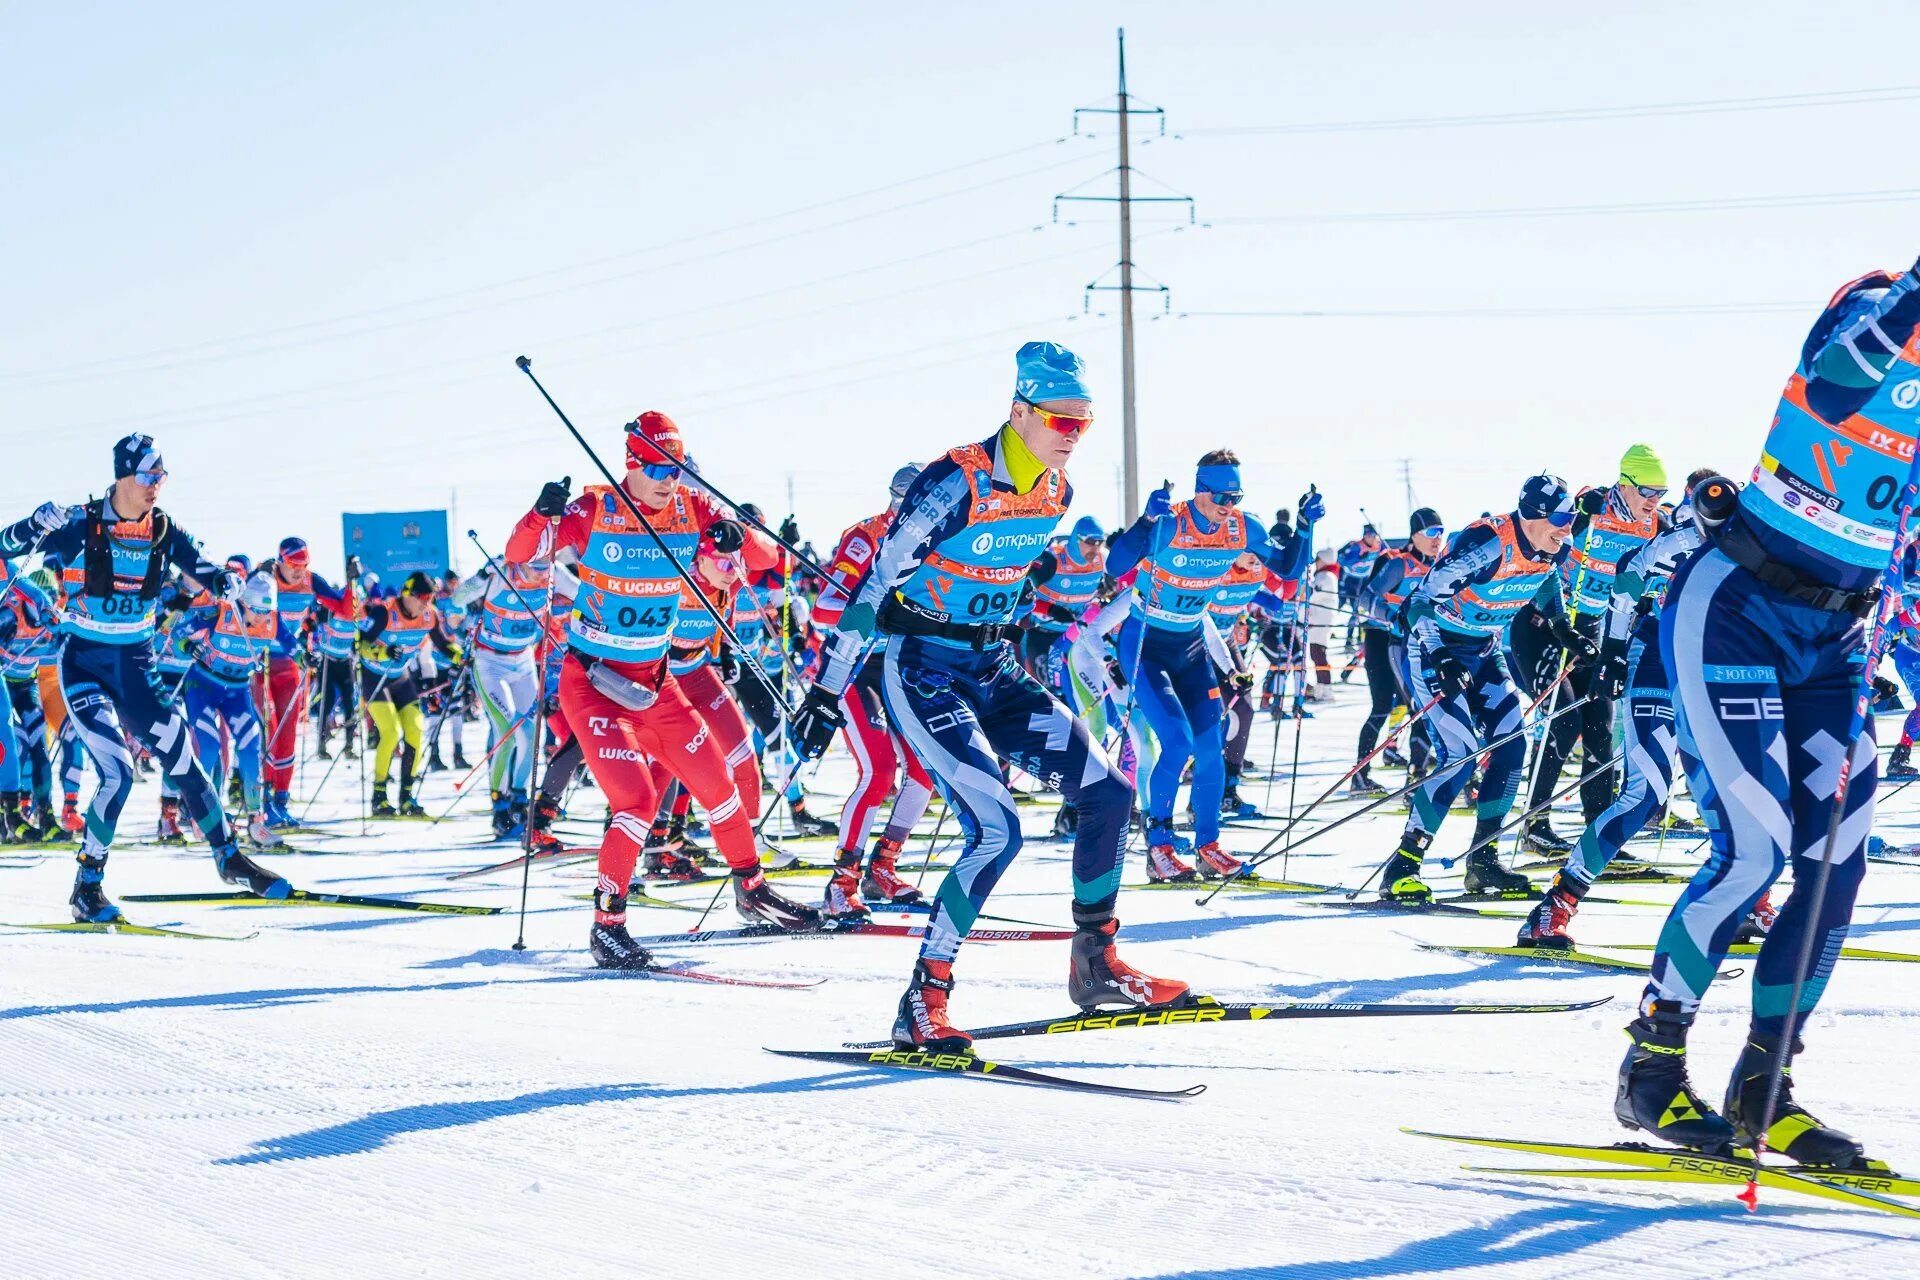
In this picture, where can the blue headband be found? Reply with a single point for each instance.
(1220, 477)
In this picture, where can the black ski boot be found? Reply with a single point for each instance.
(755, 900)
(1096, 975)
(1391, 758)
(460, 760)
(806, 824)
(1400, 879)
(1066, 819)
(89, 901)
(382, 807)
(236, 867)
(612, 946)
(409, 807)
(1364, 785)
(1654, 1093)
(434, 763)
(541, 837)
(1541, 838)
(1759, 921)
(1794, 1133)
(1485, 876)
(662, 863)
(1899, 766)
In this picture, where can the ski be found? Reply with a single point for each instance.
(859, 927)
(1753, 949)
(1202, 1010)
(515, 862)
(1262, 884)
(684, 974)
(635, 899)
(135, 930)
(1546, 955)
(308, 898)
(1856, 1187)
(1431, 906)
(970, 1065)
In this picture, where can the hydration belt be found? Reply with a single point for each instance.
(902, 619)
(1738, 544)
(630, 694)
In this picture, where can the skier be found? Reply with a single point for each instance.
(1762, 633)
(1231, 626)
(1458, 618)
(115, 550)
(230, 643)
(511, 597)
(878, 749)
(1066, 577)
(299, 591)
(1184, 551)
(614, 683)
(1355, 561)
(28, 634)
(1383, 643)
(1610, 523)
(334, 633)
(392, 645)
(942, 589)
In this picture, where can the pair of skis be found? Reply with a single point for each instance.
(1194, 1011)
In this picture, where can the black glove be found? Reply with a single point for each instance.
(790, 532)
(1113, 673)
(1579, 648)
(1239, 681)
(727, 536)
(1450, 674)
(816, 722)
(1592, 502)
(1884, 688)
(354, 568)
(554, 497)
(1610, 681)
(1061, 614)
(729, 665)
(231, 585)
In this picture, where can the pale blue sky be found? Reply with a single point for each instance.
(301, 245)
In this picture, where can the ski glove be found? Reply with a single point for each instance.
(727, 536)
(1159, 503)
(1312, 506)
(1240, 681)
(1885, 688)
(790, 532)
(1611, 680)
(1450, 675)
(554, 497)
(231, 585)
(1579, 648)
(729, 666)
(47, 517)
(814, 725)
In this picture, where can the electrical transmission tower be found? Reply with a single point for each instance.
(1124, 109)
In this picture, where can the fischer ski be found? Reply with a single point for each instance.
(1864, 1188)
(1546, 955)
(136, 930)
(1753, 949)
(970, 1065)
(308, 898)
(1203, 1010)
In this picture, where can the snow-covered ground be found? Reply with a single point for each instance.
(358, 1093)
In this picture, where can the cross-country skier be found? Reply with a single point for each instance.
(116, 550)
(1383, 643)
(1458, 617)
(943, 589)
(1762, 634)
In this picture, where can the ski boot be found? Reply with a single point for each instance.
(1096, 975)
(663, 863)
(460, 758)
(1392, 759)
(1486, 876)
(321, 753)
(1163, 859)
(1899, 768)
(434, 763)
(542, 839)
(1794, 1133)
(10, 821)
(806, 824)
(922, 1022)
(1759, 921)
(236, 867)
(261, 835)
(1654, 1093)
(89, 901)
(382, 807)
(1364, 785)
(1235, 809)
(1400, 879)
(516, 814)
(166, 828)
(757, 902)
(690, 849)
(1066, 820)
(42, 827)
(408, 806)
(502, 816)
(1546, 925)
(1215, 863)
(842, 899)
(70, 816)
(236, 792)
(609, 942)
(277, 814)
(1679, 824)
(882, 882)
(1540, 837)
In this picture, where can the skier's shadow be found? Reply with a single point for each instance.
(1551, 1230)
(365, 1134)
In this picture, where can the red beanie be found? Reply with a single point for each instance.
(653, 438)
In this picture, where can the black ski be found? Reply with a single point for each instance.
(834, 930)
(956, 1064)
(308, 898)
(1202, 1010)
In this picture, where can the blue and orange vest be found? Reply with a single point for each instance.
(1487, 608)
(629, 591)
(974, 576)
(1177, 581)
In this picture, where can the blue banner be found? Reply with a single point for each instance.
(395, 543)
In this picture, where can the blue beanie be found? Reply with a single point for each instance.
(1088, 527)
(1046, 371)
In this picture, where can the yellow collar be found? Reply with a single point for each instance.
(1018, 461)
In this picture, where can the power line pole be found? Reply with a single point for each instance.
(1406, 478)
(1124, 111)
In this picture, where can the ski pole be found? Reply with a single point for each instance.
(1263, 856)
(1879, 633)
(633, 508)
(1494, 837)
(739, 510)
(321, 785)
(1293, 774)
(500, 741)
(757, 828)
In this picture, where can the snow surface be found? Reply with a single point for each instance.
(357, 1093)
